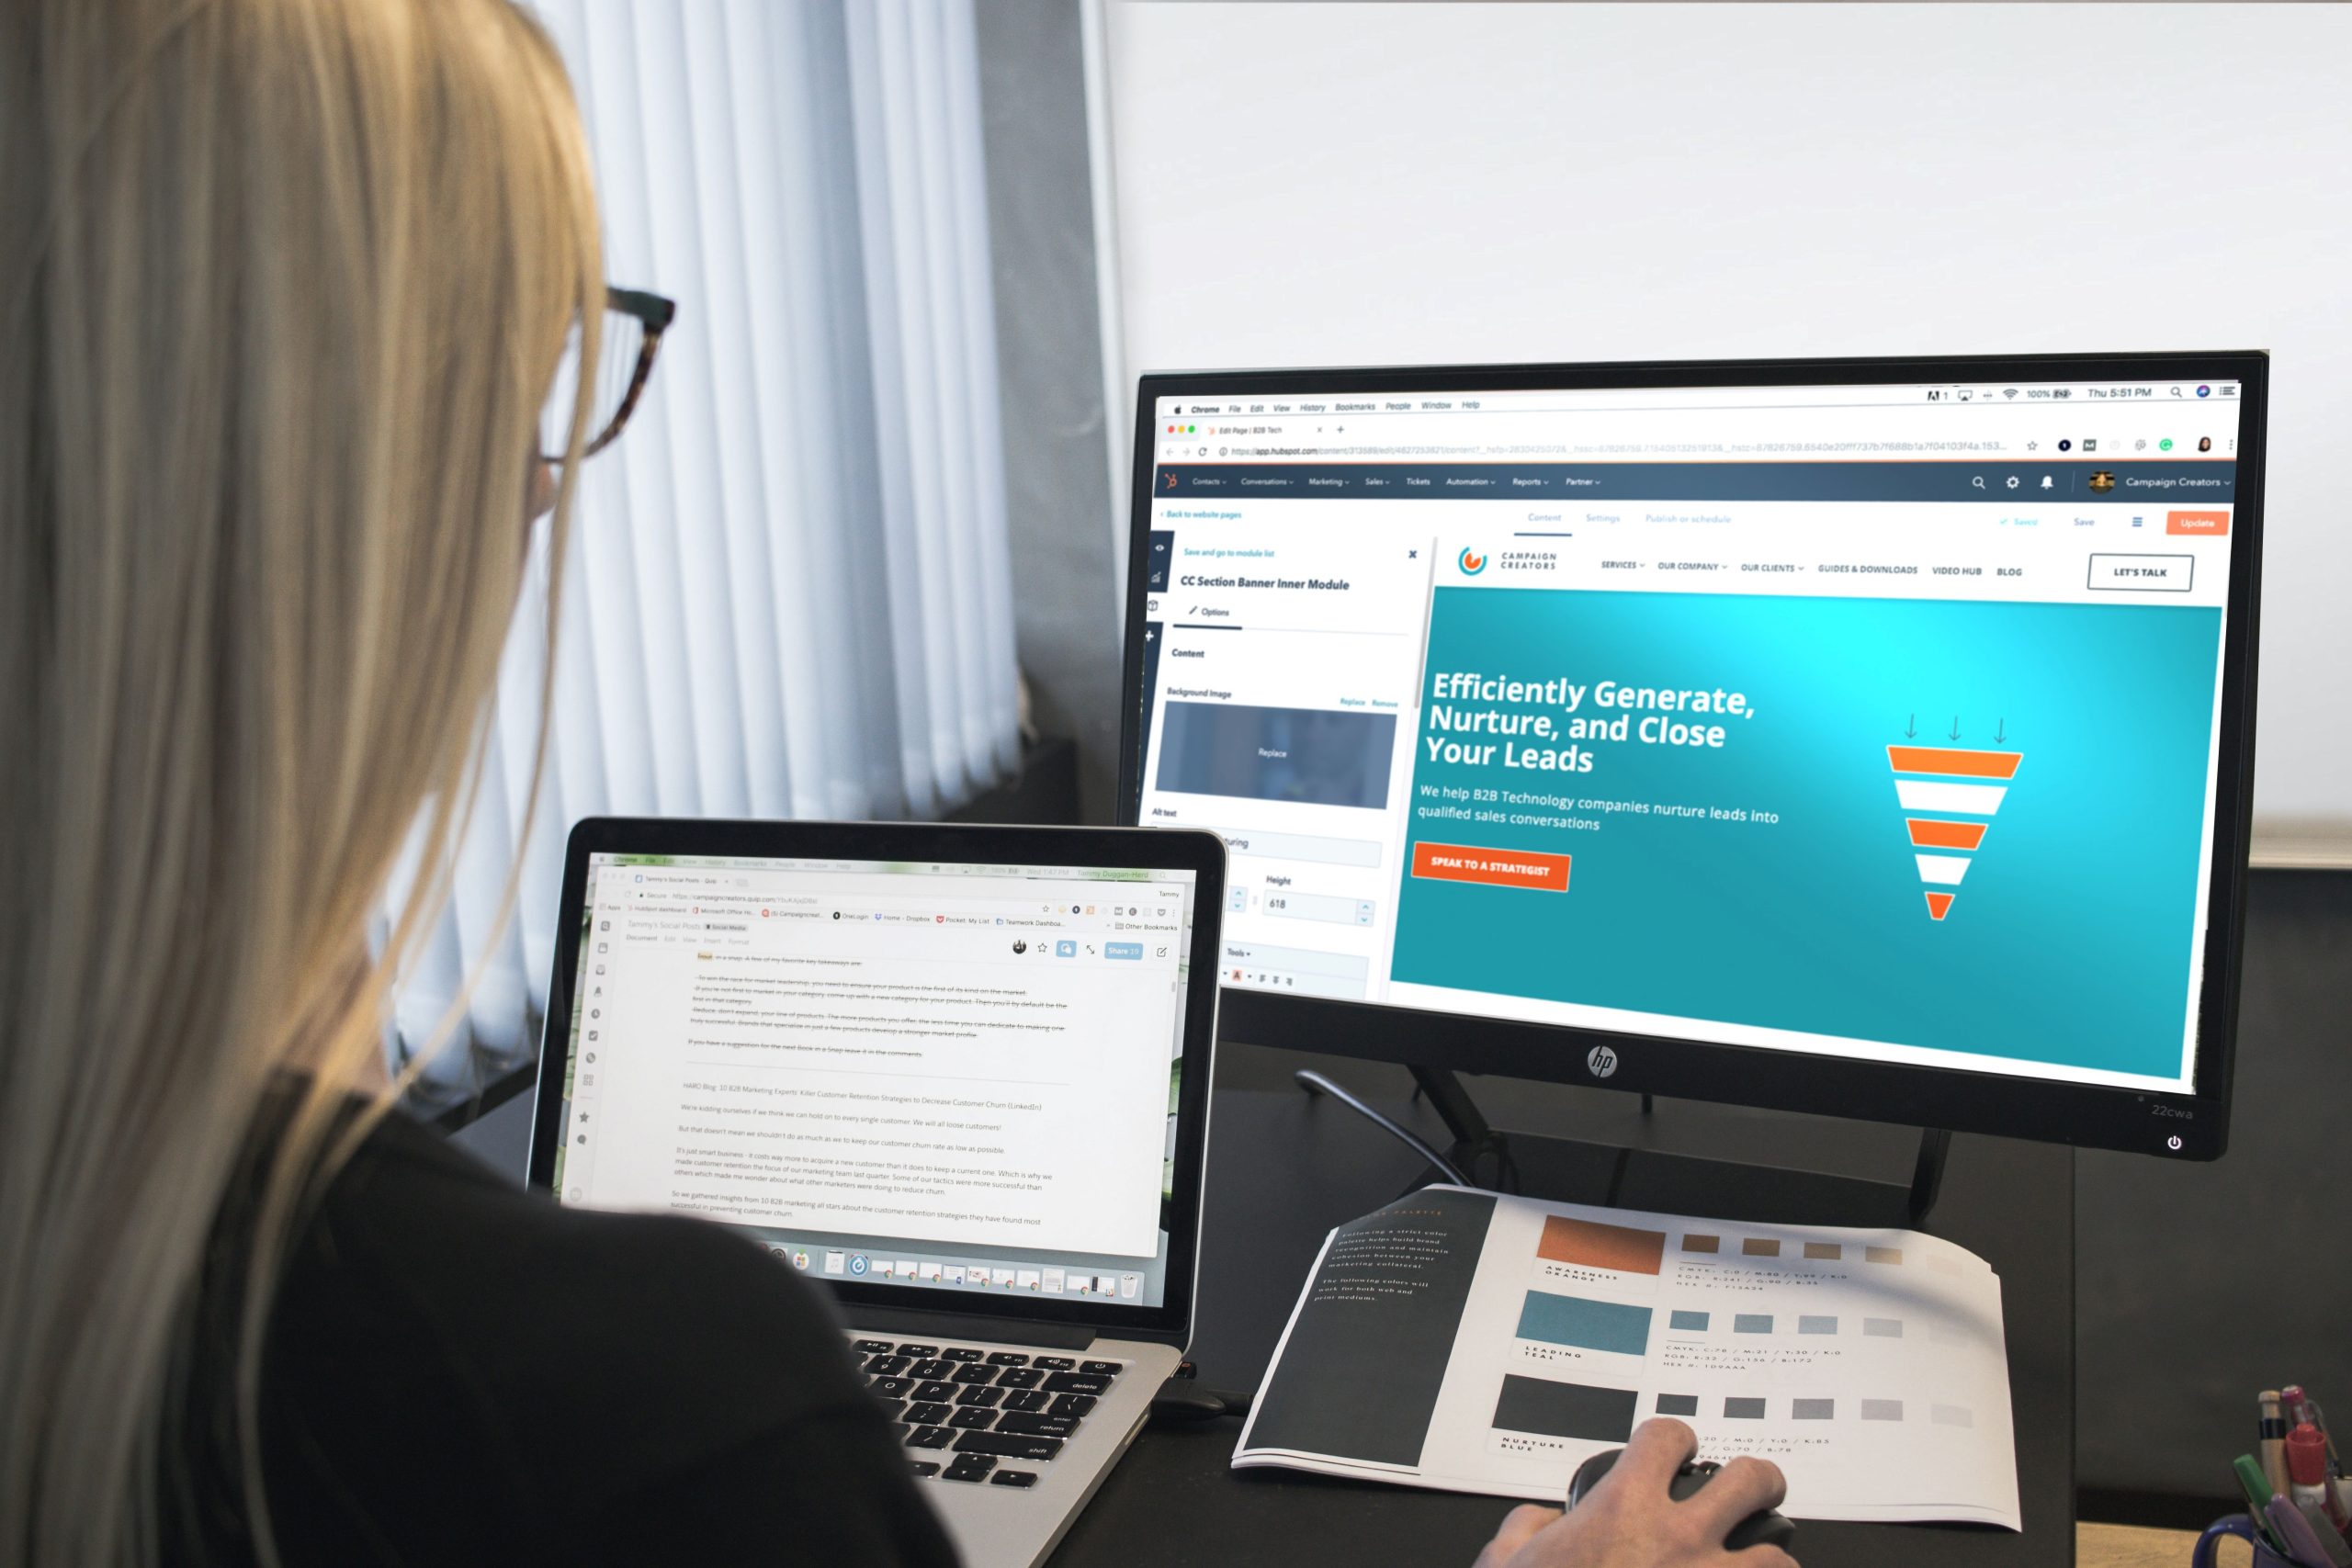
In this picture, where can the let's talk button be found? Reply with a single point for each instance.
(2142, 574)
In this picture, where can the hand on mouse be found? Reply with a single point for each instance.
(1629, 1521)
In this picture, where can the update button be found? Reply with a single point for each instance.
(2211, 522)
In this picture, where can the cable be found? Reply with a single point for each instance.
(1314, 1082)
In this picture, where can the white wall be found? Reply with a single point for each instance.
(1393, 183)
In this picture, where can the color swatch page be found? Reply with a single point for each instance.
(1468, 1342)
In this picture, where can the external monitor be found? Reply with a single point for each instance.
(1871, 737)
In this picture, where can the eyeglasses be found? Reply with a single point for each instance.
(634, 322)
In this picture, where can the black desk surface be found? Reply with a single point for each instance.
(1284, 1168)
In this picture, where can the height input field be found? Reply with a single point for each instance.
(1338, 911)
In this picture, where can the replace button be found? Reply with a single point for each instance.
(2143, 574)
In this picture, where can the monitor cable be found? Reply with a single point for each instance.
(1314, 1082)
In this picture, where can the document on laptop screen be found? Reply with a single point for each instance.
(1466, 1342)
(977, 1059)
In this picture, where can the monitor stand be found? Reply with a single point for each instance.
(1621, 1176)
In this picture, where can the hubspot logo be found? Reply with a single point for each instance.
(1471, 562)
(1601, 1061)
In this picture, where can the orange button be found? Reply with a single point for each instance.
(2197, 522)
(1496, 868)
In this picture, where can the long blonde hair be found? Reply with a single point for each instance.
(283, 284)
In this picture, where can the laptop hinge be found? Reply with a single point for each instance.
(968, 1325)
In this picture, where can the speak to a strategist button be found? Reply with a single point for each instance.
(1495, 868)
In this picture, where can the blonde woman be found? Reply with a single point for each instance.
(284, 287)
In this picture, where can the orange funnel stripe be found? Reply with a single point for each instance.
(1940, 905)
(1930, 835)
(1951, 762)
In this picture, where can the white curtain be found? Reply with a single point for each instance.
(790, 591)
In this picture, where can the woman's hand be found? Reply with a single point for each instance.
(1629, 1521)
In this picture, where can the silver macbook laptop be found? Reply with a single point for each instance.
(958, 1076)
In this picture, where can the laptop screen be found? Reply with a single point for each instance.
(939, 1076)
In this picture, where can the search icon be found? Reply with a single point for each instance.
(2175, 391)
(1978, 482)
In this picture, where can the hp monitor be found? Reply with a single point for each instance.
(1870, 738)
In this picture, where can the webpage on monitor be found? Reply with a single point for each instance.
(1877, 722)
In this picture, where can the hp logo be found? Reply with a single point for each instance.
(1601, 1061)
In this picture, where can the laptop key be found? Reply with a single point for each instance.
(889, 1366)
(923, 1467)
(893, 1388)
(1013, 1478)
(976, 1373)
(873, 1347)
(970, 1467)
(931, 1366)
(894, 1408)
(973, 1419)
(1004, 1445)
(959, 1353)
(929, 1414)
(918, 1349)
(1019, 1377)
(1098, 1369)
(1028, 1399)
(930, 1437)
(1076, 1382)
(981, 1396)
(1054, 1363)
(1022, 1425)
(1007, 1358)
(1075, 1405)
(934, 1389)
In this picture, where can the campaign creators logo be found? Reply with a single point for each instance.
(1471, 562)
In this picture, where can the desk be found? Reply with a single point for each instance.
(1284, 1168)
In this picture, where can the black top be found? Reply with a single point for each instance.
(459, 1372)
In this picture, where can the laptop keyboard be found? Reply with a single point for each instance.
(983, 1416)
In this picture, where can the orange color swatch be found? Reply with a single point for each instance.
(1618, 1247)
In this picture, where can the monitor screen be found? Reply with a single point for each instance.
(944, 1076)
(1876, 722)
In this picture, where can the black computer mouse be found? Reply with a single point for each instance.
(1763, 1528)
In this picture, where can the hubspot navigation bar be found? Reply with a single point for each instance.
(2204, 481)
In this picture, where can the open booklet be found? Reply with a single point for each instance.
(1468, 1342)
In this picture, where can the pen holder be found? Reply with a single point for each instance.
(2241, 1525)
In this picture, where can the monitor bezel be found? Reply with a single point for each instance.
(2044, 1110)
(1106, 848)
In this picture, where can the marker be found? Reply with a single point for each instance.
(2259, 1495)
(2307, 1472)
(2332, 1548)
(2273, 1450)
(2303, 1541)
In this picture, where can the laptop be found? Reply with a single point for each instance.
(957, 1077)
